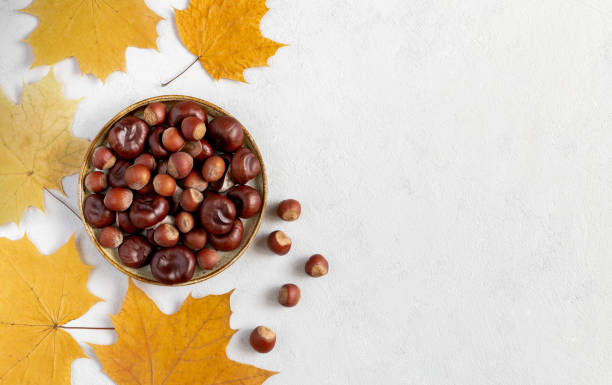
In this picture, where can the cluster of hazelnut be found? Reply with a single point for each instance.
(263, 338)
(168, 186)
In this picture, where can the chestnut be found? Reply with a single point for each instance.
(155, 142)
(110, 237)
(135, 251)
(123, 220)
(213, 168)
(185, 221)
(118, 199)
(128, 136)
(155, 113)
(229, 241)
(217, 214)
(195, 239)
(172, 139)
(181, 110)
(190, 199)
(146, 189)
(206, 152)
(146, 160)
(194, 180)
(103, 158)
(289, 210)
(262, 339)
(193, 148)
(148, 210)
(95, 213)
(245, 166)
(226, 182)
(176, 199)
(116, 175)
(193, 128)
(316, 266)
(207, 258)
(225, 133)
(173, 265)
(180, 165)
(137, 176)
(289, 295)
(96, 181)
(150, 235)
(279, 242)
(164, 185)
(246, 199)
(166, 235)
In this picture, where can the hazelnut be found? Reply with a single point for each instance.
(103, 158)
(116, 175)
(146, 160)
(135, 251)
(180, 165)
(316, 266)
(207, 258)
(193, 128)
(230, 240)
(155, 142)
(206, 152)
(195, 239)
(191, 199)
(185, 221)
(245, 166)
(226, 182)
(155, 113)
(137, 176)
(262, 339)
(213, 168)
(225, 133)
(118, 199)
(194, 180)
(128, 137)
(96, 213)
(289, 295)
(110, 237)
(172, 139)
(279, 242)
(164, 184)
(289, 210)
(166, 235)
(95, 181)
(181, 110)
(246, 199)
(193, 148)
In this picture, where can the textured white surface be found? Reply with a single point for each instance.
(454, 163)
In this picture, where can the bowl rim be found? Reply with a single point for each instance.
(85, 168)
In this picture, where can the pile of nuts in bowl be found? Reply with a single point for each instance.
(170, 190)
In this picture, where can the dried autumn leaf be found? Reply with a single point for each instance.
(96, 33)
(225, 35)
(37, 148)
(40, 293)
(187, 347)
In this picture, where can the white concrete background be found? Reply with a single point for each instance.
(454, 163)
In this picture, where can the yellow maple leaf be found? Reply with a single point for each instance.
(40, 293)
(187, 347)
(225, 35)
(95, 32)
(37, 148)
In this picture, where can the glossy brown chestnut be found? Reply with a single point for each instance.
(103, 158)
(289, 295)
(289, 210)
(173, 265)
(193, 148)
(123, 220)
(181, 110)
(155, 142)
(150, 234)
(229, 241)
(207, 258)
(172, 139)
(155, 113)
(262, 339)
(246, 199)
(185, 221)
(95, 213)
(180, 165)
(166, 235)
(118, 198)
(137, 176)
(193, 128)
(245, 166)
(135, 251)
(116, 175)
(195, 239)
(148, 210)
(96, 181)
(225, 133)
(279, 242)
(316, 266)
(194, 180)
(191, 199)
(110, 236)
(146, 160)
(207, 150)
(217, 214)
(213, 168)
(128, 137)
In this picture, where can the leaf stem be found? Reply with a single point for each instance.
(62, 202)
(182, 72)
